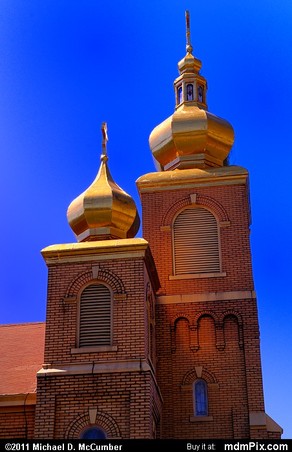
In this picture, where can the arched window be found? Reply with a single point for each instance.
(201, 93)
(190, 91)
(95, 316)
(196, 242)
(179, 95)
(200, 398)
(93, 432)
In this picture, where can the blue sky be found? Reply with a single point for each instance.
(67, 66)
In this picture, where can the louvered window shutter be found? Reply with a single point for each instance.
(196, 242)
(95, 316)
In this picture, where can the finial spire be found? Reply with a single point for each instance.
(189, 47)
(104, 156)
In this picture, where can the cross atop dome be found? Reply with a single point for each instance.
(104, 210)
(104, 156)
(189, 47)
(191, 137)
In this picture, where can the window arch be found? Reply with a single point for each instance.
(196, 242)
(95, 316)
(93, 432)
(200, 395)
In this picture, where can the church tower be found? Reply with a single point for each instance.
(196, 218)
(158, 337)
(99, 377)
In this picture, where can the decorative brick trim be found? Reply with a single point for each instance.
(239, 321)
(191, 376)
(110, 278)
(168, 217)
(180, 315)
(77, 283)
(201, 200)
(97, 272)
(176, 317)
(201, 314)
(194, 326)
(232, 313)
(102, 420)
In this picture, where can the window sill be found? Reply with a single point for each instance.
(98, 349)
(201, 418)
(196, 275)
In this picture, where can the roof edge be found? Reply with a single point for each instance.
(7, 400)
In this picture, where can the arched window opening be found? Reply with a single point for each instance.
(190, 92)
(196, 242)
(179, 95)
(200, 398)
(93, 433)
(95, 316)
(201, 93)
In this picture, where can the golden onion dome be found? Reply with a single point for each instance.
(192, 137)
(104, 210)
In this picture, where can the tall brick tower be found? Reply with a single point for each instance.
(196, 218)
(99, 378)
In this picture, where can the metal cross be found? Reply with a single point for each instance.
(104, 138)
(189, 47)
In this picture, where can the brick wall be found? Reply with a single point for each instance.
(235, 245)
(214, 340)
(17, 422)
(223, 349)
(126, 403)
(129, 312)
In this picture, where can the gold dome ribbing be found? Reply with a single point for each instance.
(103, 211)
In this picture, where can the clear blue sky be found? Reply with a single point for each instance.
(66, 66)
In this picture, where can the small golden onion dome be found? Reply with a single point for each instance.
(104, 210)
(192, 137)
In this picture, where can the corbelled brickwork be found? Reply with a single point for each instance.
(215, 341)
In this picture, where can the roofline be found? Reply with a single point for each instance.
(21, 324)
(7, 400)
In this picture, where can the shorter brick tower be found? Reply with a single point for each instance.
(99, 378)
(196, 218)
